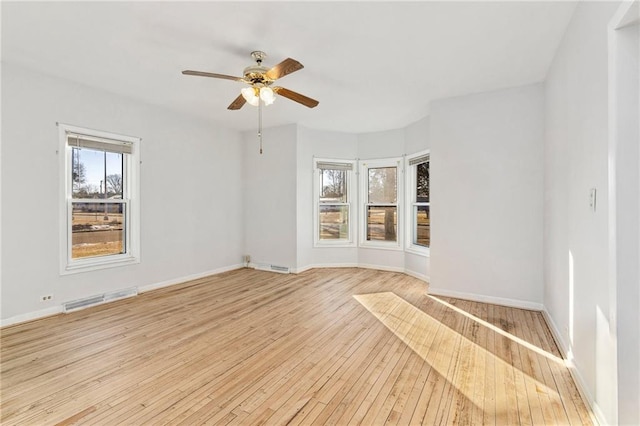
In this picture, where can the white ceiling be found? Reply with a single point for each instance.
(372, 65)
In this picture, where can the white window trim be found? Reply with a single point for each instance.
(351, 198)
(365, 165)
(410, 194)
(131, 179)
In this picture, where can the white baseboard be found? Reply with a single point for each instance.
(323, 265)
(513, 303)
(557, 336)
(180, 280)
(565, 350)
(361, 265)
(30, 316)
(413, 274)
(53, 310)
(381, 268)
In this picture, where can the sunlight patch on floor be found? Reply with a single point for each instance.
(498, 330)
(438, 345)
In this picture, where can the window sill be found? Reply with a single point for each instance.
(340, 244)
(369, 245)
(93, 265)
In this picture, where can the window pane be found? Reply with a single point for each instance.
(422, 235)
(422, 182)
(382, 185)
(334, 222)
(333, 186)
(90, 169)
(382, 223)
(97, 230)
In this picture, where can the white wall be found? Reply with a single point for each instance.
(390, 143)
(624, 203)
(190, 224)
(416, 136)
(269, 194)
(578, 296)
(486, 187)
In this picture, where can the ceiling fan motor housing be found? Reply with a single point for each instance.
(257, 73)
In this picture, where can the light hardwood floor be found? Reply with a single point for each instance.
(328, 346)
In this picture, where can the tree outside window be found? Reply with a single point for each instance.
(382, 209)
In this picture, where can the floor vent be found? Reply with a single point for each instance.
(281, 269)
(83, 303)
(121, 294)
(273, 268)
(99, 299)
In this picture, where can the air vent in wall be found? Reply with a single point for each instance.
(98, 299)
(83, 303)
(272, 268)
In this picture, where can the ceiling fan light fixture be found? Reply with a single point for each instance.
(259, 78)
(249, 95)
(267, 95)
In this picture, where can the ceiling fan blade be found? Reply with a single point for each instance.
(283, 68)
(210, 74)
(297, 97)
(237, 103)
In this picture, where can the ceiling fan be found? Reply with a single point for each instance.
(260, 78)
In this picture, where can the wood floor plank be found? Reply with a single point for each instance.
(405, 407)
(462, 403)
(328, 346)
(479, 337)
(491, 380)
(433, 403)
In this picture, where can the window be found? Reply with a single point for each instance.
(380, 183)
(333, 192)
(99, 214)
(419, 231)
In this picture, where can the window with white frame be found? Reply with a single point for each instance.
(333, 194)
(99, 210)
(418, 216)
(381, 181)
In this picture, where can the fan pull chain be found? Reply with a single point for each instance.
(260, 124)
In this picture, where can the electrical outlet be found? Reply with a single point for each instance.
(46, 297)
(247, 259)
